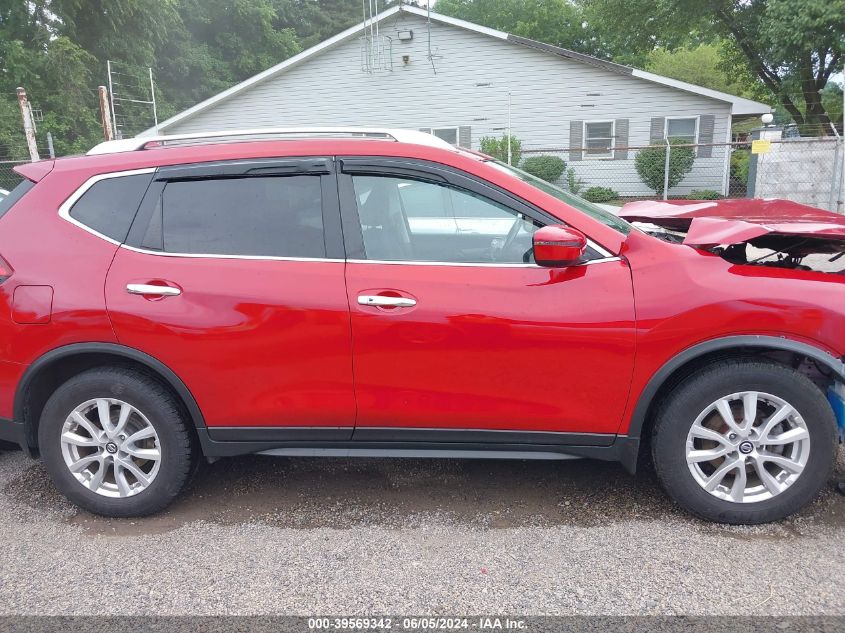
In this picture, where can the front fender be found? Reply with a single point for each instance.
(740, 342)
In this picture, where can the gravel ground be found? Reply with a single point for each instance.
(260, 535)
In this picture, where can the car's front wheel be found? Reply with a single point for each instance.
(744, 441)
(115, 442)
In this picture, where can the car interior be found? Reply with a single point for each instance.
(412, 220)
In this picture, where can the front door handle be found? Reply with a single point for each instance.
(152, 290)
(383, 301)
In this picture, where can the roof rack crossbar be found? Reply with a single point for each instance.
(389, 134)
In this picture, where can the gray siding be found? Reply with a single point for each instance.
(474, 74)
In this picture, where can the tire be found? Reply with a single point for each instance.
(123, 493)
(730, 501)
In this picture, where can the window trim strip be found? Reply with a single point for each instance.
(67, 205)
(613, 258)
(147, 251)
(602, 260)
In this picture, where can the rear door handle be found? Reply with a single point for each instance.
(382, 301)
(152, 290)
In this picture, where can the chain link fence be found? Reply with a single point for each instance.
(805, 170)
(9, 179)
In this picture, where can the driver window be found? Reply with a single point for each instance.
(413, 220)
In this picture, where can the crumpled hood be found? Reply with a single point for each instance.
(712, 222)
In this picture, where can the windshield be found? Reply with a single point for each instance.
(594, 211)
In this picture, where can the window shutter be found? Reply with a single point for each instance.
(465, 137)
(576, 140)
(621, 140)
(706, 124)
(658, 125)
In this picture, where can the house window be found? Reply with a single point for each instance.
(448, 134)
(598, 139)
(684, 129)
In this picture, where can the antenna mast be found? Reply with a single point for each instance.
(376, 49)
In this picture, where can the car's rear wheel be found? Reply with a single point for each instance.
(744, 441)
(115, 442)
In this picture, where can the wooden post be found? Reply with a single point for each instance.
(28, 127)
(105, 113)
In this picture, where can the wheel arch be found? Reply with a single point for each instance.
(680, 364)
(57, 365)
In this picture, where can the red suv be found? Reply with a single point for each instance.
(381, 293)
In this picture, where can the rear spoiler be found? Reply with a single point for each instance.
(35, 171)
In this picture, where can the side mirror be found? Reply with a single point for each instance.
(557, 245)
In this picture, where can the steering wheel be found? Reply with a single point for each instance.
(510, 238)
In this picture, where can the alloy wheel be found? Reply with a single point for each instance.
(111, 448)
(747, 447)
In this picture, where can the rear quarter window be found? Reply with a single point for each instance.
(109, 205)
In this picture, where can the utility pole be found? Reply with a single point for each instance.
(111, 98)
(840, 204)
(28, 125)
(105, 113)
(153, 97)
(510, 152)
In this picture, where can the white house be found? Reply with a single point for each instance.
(459, 80)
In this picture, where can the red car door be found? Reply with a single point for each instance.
(455, 327)
(232, 276)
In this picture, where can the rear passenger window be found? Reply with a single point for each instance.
(279, 216)
(109, 205)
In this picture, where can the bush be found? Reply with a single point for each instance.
(600, 194)
(740, 159)
(498, 148)
(704, 194)
(651, 165)
(574, 183)
(549, 168)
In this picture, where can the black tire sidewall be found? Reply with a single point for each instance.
(148, 397)
(689, 399)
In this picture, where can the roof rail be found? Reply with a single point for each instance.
(387, 134)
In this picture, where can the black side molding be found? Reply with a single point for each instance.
(436, 442)
(485, 436)
(14, 432)
(280, 433)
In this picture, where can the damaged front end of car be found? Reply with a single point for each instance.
(773, 233)
(769, 233)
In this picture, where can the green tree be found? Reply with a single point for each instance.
(57, 74)
(704, 65)
(557, 22)
(651, 165)
(217, 43)
(127, 30)
(832, 102)
(71, 113)
(789, 45)
(57, 50)
(314, 21)
(498, 148)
